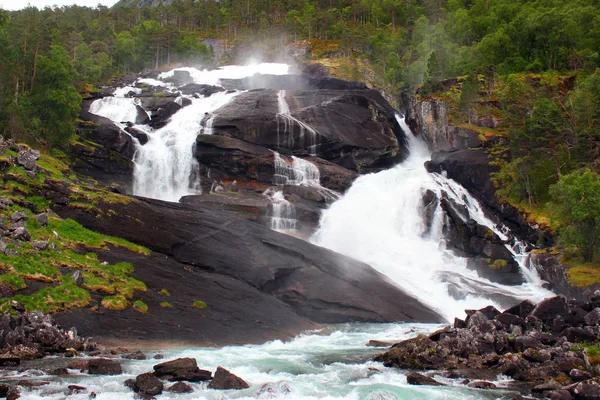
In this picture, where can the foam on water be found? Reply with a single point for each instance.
(117, 108)
(380, 221)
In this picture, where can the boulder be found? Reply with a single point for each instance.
(225, 380)
(104, 366)
(356, 130)
(137, 355)
(181, 369)
(414, 378)
(148, 383)
(180, 387)
(548, 309)
(27, 158)
(593, 317)
(481, 385)
(142, 137)
(105, 133)
(201, 89)
(586, 391)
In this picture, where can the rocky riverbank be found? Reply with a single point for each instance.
(550, 349)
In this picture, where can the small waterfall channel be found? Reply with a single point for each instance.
(381, 221)
(307, 135)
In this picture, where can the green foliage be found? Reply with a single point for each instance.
(578, 197)
(117, 302)
(51, 299)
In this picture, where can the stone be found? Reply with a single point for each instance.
(27, 158)
(479, 323)
(180, 387)
(138, 355)
(550, 308)
(508, 319)
(414, 378)
(75, 389)
(3, 246)
(18, 216)
(148, 383)
(104, 366)
(526, 342)
(40, 245)
(575, 335)
(481, 385)
(593, 317)
(78, 278)
(586, 391)
(81, 365)
(560, 395)
(579, 375)
(59, 372)
(182, 369)
(225, 380)
(538, 356)
(566, 364)
(21, 234)
(547, 386)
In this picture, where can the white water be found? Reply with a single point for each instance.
(380, 221)
(283, 213)
(307, 135)
(118, 108)
(309, 367)
(214, 76)
(165, 166)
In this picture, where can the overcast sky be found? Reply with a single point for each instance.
(18, 4)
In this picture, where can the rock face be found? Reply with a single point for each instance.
(354, 129)
(534, 344)
(316, 283)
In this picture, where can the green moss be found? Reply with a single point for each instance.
(53, 166)
(117, 302)
(164, 292)
(591, 349)
(200, 304)
(499, 264)
(74, 231)
(31, 266)
(166, 304)
(13, 281)
(584, 275)
(52, 299)
(140, 306)
(39, 202)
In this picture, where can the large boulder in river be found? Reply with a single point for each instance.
(355, 129)
(225, 380)
(181, 369)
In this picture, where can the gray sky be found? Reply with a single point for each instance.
(18, 4)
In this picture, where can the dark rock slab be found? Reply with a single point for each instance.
(181, 369)
(104, 366)
(414, 378)
(225, 380)
(148, 383)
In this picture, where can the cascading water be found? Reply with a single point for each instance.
(283, 213)
(380, 221)
(117, 108)
(307, 136)
(165, 167)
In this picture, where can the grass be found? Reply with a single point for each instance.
(591, 349)
(199, 304)
(499, 264)
(98, 285)
(13, 281)
(166, 304)
(164, 292)
(140, 306)
(51, 299)
(117, 302)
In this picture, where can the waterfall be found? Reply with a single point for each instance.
(307, 136)
(117, 108)
(380, 221)
(165, 168)
(283, 213)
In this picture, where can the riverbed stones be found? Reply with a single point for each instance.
(180, 387)
(414, 378)
(104, 366)
(225, 380)
(181, 369)
(148, 383)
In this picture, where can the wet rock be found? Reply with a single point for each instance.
(142, 137)
(158, 356)
(104, 366)
(414, 378)
(273, 390)
(538, 356)
(75, 389)
(201, 89)
(59, 372)
(182, 369)
(180, 387)
(545, 387)
(225, 380)
(481, 385)
(4, 389)
(575, 335)
(148, 383)
(81, 365)
(130, 383)
(138, 355)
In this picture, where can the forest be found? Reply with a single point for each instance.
(534, 65)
